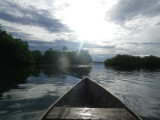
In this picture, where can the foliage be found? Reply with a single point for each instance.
(133, 61)
(66, 57)
(50, 56)
(37, 55)
(80, 57)
(14, 50)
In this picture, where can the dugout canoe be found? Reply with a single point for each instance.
(88, 100)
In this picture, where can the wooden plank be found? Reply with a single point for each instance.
(73, 113)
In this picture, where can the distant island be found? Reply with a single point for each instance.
(97, 62)
(133, 61)
(16, 52)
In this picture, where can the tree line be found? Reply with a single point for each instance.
(133, 61)
(16, 51)
(51, 56)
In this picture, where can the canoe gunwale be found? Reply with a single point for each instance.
(54, 104)
(125, 106)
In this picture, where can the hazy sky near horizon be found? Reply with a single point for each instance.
(104, 27)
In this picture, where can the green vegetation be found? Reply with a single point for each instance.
(133, 61)
(66, 57)
(15, 51)
(37, 56)
(97, 62)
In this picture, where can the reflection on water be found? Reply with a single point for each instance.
(138, 89)
(32, 80)
(26, 93)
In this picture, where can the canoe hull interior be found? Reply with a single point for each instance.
(88, 94)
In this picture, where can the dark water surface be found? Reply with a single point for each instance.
(25, 93)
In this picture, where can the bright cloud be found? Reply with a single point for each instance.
(87, 19)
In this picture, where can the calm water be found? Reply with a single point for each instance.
(26, 93)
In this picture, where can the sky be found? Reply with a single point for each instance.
(103, 27)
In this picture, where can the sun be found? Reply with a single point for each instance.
(87, 19)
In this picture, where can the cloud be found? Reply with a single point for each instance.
(137, 48)
(91, 45)
(126, 10)
(102, 57)
(157, 23)
(56, 45)
(21, 35)
(71, 45)
(140, 21)
(31, 16)
(150, 35)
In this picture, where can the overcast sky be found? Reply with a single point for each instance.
(104, 27)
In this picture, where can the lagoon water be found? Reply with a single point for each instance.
(27, 92)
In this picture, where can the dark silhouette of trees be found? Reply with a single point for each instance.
(16, 51)
(71, 57)
(37, 55)
(151, 61)
(50, 56)
(80, 57)
(133, 61)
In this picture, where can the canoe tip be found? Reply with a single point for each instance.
(85, 78)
